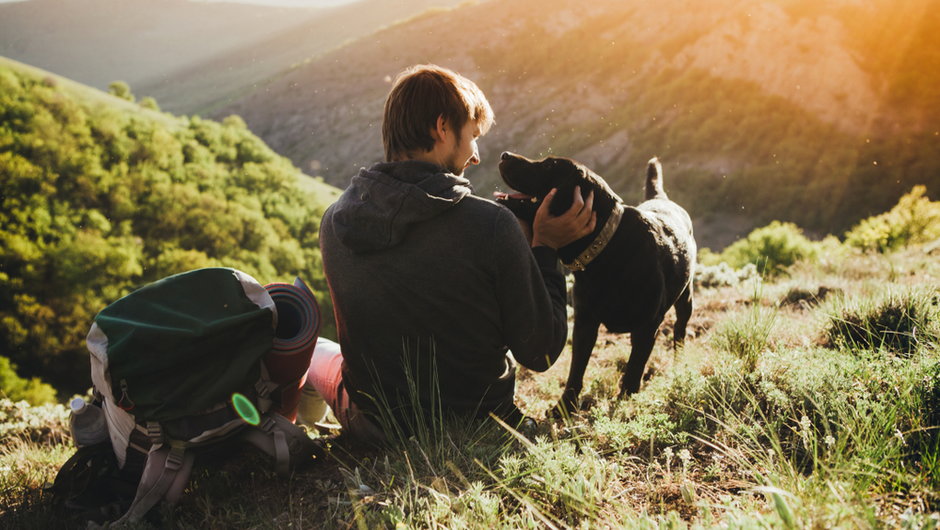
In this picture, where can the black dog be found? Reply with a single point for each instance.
(636, 264)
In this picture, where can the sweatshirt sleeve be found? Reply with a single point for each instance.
(531, 297)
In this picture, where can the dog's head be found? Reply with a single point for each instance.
(534, 179)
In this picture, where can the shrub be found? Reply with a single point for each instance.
(899, 323)
(564, 479)
(15, 388)
(807, 297)
(914, 219)
(772, 248)
(48, 424)
(722, 274)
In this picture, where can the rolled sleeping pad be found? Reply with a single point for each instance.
(298, 324)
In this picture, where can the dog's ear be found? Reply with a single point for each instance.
(562, 201)
(566, 175)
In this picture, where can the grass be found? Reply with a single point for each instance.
(895, 322)
(772, 416)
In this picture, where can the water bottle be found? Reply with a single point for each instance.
(88, 423)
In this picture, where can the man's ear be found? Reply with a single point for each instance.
(439, 132)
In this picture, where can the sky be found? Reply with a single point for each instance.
(286, 3)
(281, 3)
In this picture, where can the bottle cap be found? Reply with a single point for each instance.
(77, 405)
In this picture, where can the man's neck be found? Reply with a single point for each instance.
(431, 157)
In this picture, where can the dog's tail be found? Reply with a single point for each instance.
(654, 180)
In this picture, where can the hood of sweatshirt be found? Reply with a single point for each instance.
(383, 202)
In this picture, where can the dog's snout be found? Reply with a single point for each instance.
(506, 155)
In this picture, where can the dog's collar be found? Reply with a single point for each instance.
(597, 246)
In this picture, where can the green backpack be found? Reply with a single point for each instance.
(177, 363)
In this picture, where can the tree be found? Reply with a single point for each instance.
(149, 103)
(120, 89)
(14, 387)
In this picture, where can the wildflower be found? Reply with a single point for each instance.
(686, 457)
(805, 426)
(805, 423)
(829, 440)
(668, 454)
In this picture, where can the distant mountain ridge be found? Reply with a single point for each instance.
(751, 104)
(189, 55)
(99, 41)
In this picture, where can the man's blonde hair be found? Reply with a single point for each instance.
(419, 96)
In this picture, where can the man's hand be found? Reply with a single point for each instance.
(556, 232)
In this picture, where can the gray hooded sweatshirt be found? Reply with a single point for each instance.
(432, 286)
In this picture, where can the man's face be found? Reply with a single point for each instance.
(463, 151)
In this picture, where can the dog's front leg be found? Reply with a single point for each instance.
(582, 344)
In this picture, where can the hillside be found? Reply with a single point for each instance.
(760, 110)
(199, 87)
(809, 401)
(188, 55)
(102, 195)
(96, 42)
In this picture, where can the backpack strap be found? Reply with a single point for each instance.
(265, 388)
(165, 476)
(280, 439)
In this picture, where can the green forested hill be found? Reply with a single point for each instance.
(101, 195)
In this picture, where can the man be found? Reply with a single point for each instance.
(432, 285)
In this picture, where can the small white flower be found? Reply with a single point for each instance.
(685, 456)
(829, 440)
(667, 452)
(805, 423)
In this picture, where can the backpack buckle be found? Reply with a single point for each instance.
(155, 432)
(267, 423)
(174, 459)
